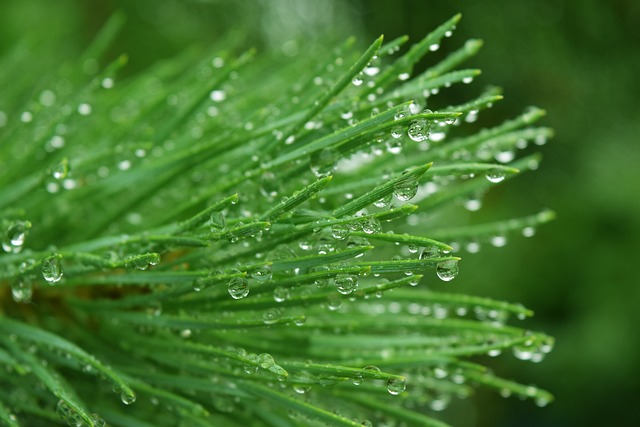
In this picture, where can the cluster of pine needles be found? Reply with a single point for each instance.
(234, 239)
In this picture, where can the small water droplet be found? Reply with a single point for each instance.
(271, 316)
(262, 273)
(14, 236)
(84, 109)
(127, 396)
(528, 231)
(434, 47)
(472, 203)
(238, 287)
(22, 290)
(505, 156)
(447, 270)
(403, 76)
(357, 81)
(61, 169)
(217, 222)
(396, 132)
(498, 241)
(472, 247)
(52, 268)
(324, 162)
(395, 386)
(495, 177)
(218, 95)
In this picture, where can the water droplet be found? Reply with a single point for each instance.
(412, 248)
(370, 225)
(394, 146)
(127, 396)
(14, 236)
(495, 177)
(107, 83)
(431, 252)
(68, 414)
(472, 247)
(371, 369)
(498, 241)
(300, 320)
(22, 290)
(471, 116)
(528, 231)
(52, 268)
(357, 81)
(339, 231)
(238, 287)
(419, 130)
(218, 95)
(395, 386)
(334, 302)
(61, 169)
(434, 47)
(403, 76)
(324, 162)
(262, 273)
(447, 270)
(472, 203)
(84, 109)
(406, 189)
(396, 132)
(540, 140)
(217, 222)
(505, 156)
(467, 80)
(346, 283)
(271, 316)
(383, 202)
(26, 117)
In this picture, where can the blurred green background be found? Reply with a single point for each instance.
(580, 60)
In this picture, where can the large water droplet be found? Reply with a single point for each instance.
(431, 252)
(447, 270)
(339, 231)
(346, 283)
(238, 287)
(383, 202)
(396, 386)
(406, 189)
(371, 225)
(52, 268)
(419, 130)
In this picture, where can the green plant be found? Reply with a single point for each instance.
(225, 240)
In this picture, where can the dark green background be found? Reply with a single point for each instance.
(580, 60)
